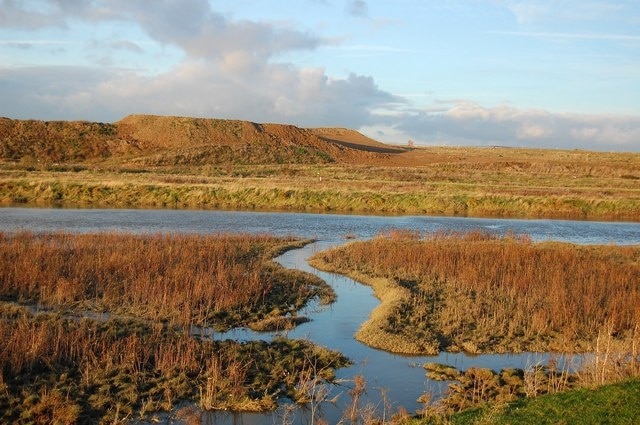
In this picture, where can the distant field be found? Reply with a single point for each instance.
(531, 190)
(168, 162)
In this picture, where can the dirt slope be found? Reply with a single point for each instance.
(61, 141)
(355, 140)
(160, 140)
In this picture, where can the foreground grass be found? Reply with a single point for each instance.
(67, 370)
(437, 181)
(96, 328)
(609, 404)
(476, 292)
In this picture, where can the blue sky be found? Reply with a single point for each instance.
(535, 73)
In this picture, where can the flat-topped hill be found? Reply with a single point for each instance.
(159, 140)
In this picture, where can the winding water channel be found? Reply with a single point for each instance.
(400, 377)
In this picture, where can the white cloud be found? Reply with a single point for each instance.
(529, 131)
(191, 25)
(265, 92)
(13, 14)
(468, 111)
(230, 70)
(202, 33)
(467, 123)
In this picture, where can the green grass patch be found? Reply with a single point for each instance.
(609, 404)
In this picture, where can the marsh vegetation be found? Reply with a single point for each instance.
(61, 363)
(218, 281)
(469, 292)
(477, 292)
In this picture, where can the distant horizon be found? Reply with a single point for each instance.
(518, 73)
(404, 144)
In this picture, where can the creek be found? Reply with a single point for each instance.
(393, 381)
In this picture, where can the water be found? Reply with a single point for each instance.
(332, 326)
(324, 227)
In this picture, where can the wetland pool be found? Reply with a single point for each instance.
(392, 380)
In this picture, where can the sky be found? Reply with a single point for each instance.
(559, 74)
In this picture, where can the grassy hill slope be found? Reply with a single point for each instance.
(150, 140)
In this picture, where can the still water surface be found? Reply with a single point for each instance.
(324, 227)
(401, 377)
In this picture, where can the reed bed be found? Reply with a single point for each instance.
(477, 292)
(206, 280)
(60, 363)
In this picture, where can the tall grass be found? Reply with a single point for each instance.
(482, 293)
(305, 196)
(62, 366)
(187, 279)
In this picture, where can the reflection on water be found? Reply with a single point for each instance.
(401, 378)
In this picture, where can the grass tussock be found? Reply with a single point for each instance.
(62, 370)
(476, 292)
(220, 280)
(540, 394)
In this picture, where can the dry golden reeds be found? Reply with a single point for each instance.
(187, 279)
(66, 366)
(482, 293)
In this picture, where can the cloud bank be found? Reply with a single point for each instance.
(467, 123)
